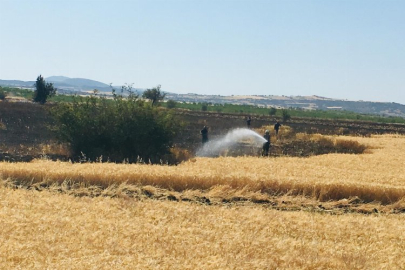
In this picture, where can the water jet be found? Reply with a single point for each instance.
(234, 139)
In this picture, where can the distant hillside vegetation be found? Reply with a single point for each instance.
(303, 102)
(66, 85)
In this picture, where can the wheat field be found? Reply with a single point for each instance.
(43, 230)
(377, 176)
(53, 230)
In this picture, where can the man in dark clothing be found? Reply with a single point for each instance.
(204, 134)
(266, 145)
(248, 120)
(276, 128)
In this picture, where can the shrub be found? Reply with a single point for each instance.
(204, 107)
(170, 104)
(272, 111)
(286, 115)
(116, 129)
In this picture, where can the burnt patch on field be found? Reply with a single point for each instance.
(26, 133)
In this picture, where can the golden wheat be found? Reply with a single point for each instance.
(41, 230)
(57, 231)
(377, 176)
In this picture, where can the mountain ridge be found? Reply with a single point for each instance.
(78, 82)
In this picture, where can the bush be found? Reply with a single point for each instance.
(115, 130)
(272, 111)
(286, 115)
(204, 107)
(170, 104)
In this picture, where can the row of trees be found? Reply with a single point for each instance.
(44, 90)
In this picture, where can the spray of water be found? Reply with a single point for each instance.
(231, 139)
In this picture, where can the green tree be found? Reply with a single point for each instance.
(43, 90)
(116, 130)
(204, 107)
(171, 104)
(154, 94)
(272, 111)
(286, 115)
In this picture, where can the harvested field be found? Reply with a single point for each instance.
(46, 230)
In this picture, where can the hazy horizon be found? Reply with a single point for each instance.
(351, 50)
(135, 87)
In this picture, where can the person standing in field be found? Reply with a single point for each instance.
(266, 145)
(248, 120)
(276, 128)
(204, 134)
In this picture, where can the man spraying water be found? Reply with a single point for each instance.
(266, 145)
(204, 134)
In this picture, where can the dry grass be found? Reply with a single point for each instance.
(54, 231)
(377, 176)
(340, 144)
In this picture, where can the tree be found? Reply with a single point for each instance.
(272, 111)
(43, 90)
(171, 104)
(117, 129)
(286, 115)
(204, 107)
(154, 94)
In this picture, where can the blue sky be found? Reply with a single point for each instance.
(353, 49)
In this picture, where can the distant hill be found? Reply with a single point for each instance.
(69, 85)
(17, 83)
(76, 82)
(66, 85)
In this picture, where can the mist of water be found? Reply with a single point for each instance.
(231, 139)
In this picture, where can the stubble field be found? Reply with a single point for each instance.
(342, 211)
